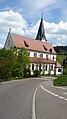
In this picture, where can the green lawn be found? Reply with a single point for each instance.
(60, 81)
(60, 58)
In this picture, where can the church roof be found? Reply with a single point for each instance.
(41, 31)
(58, 65)
(41, 60)
(31, 44)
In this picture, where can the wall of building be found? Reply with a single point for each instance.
(58, 72)
(9, 42)
(44, 69)
(45, 55)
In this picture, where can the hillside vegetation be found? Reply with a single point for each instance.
(60, 58)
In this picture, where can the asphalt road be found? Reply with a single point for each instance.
(51, 102)
(16, 99)
(19, 98)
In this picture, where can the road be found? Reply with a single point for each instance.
(32, 99)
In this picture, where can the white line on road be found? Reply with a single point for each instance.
(59, 87)
(65, 93)
(33, 104)
(53, 93)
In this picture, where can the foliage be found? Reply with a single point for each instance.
(27, 72)
(65, 62)
(60, 58)
(65, 66)
(13, 63)
(60, 81)
(61, 49)
(36, 73)
(7, 63)
(65, 71)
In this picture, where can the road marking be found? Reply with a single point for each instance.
(53, 93)
(33, 104)
(65, 93)
(59, 87)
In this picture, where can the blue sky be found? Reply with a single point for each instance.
(23, 17)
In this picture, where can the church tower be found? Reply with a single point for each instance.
(41, 32)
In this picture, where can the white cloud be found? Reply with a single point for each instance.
(56, 33)
(13, 20)
(1, 46)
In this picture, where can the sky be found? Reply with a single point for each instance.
(23, 17)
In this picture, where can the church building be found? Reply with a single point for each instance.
(41, 53)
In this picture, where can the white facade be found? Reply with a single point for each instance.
(42, 55)
(59, 71)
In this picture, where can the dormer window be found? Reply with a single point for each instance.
(44, 48)
(26, 44)
(50, 50)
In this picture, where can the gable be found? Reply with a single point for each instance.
(9, 42)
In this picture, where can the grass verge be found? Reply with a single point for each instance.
(60, 81)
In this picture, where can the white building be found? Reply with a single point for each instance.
(41, 53)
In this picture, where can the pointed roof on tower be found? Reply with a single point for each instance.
(41, 32)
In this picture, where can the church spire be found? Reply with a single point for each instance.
(41, 32)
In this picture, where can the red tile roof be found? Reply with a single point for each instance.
(41, 60)
(31, 44)
(58, 65)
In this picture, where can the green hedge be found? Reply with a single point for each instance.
(60, 81)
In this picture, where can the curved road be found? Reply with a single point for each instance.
(18, 98)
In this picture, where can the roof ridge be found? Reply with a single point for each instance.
(22, 36)
(32, 39)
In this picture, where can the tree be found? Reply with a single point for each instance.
(7, 63)
(24, 61)
(13, 63)
(65, 66)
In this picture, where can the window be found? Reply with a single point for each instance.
(41, 55)
(50, 50)
(28, 54)
(59, 70)
(35, 54)
(44, 48)
(32, 66)
(9, 42)
(47, 57)
(26, 44)
(51, 67)
(53, 58)
(36, 66)
(46, 66)
(40, 67)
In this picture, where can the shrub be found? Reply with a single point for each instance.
(36, 73)
(60, 81)
(27, 73)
